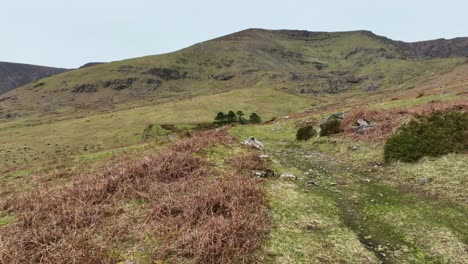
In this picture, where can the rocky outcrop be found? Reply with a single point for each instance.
(119, 84)
(167, 74)
(339, 81)
(85, 88)
(439, 48)
(370, 87)
(224, 77)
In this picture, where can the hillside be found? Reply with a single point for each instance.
(306, 64)
(14, 75)
(122, 163)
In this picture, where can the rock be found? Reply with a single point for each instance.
(253, 142)
(362, 126)
(220, 129)
(370, 87)
(119, 84)
(339, 116)
(167, 74)
(224, 77)
(153, 82)
(288, 176)
(259, 174)
(264, 156)
(354, 147)
(85, 88)
(263, 174)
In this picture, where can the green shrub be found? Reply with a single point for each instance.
(255, 119)
(305, 133)
(330, 127)
(433, 135)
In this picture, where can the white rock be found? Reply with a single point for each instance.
(253, 142)
(288, 176)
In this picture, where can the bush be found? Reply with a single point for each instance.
(305, 133)
(255, 119)
(433, 135)
(330, 127)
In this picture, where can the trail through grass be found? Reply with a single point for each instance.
(343, 210)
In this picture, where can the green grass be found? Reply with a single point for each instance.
(6, 219)
(26, 145)
(444, 176)
(358, 210)
(308, 228)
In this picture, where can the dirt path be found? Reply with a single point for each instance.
(334, 213)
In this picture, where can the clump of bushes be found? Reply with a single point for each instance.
(433, 135)
(237, 117)
(305, 133)
(330, 127)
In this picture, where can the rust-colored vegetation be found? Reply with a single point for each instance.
(384, 123)
(186, 211)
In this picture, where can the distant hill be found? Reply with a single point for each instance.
(294, 62)
(13, 75)
(91, 64)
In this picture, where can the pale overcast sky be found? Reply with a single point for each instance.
(66, 33)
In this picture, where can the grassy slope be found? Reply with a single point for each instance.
(24, 145)
(358, 213)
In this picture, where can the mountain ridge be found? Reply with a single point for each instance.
(14, 75)
(302, 63)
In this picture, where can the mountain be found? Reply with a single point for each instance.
(14, 75)
(301, 63)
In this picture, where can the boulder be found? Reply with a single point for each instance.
(339, 116)
(253, 142)
(362, 126)
(259, 174)
(288, 176)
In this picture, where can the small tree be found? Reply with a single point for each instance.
(255, 119)
(305, 133)
(220, 118)
(240, 117)
(231, 117)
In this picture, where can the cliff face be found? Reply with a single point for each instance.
(13, 75)
(439, 48)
